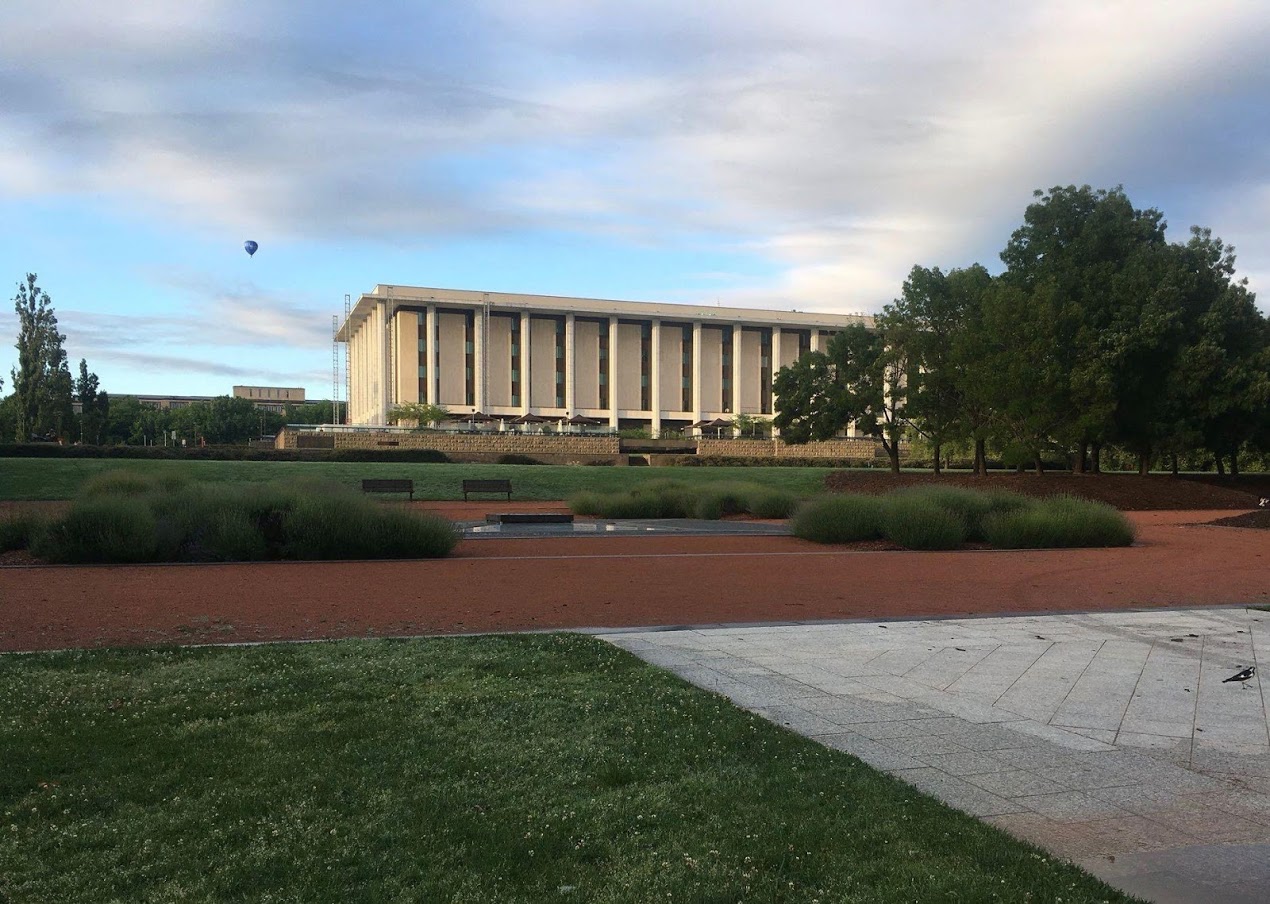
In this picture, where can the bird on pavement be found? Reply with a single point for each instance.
(1242, 675)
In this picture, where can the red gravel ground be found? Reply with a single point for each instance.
(500, 585)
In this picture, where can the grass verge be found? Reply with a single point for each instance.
(509, 769)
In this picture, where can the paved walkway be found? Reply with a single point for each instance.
(1110, 739)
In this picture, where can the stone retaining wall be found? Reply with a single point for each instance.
(459, 445)
(776, 448)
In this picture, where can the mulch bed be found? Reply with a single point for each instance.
(1259, 519)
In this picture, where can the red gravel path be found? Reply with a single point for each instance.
(567, 582)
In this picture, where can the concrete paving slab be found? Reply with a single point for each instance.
(1108, 738)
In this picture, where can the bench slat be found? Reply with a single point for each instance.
(487, 486)
(388, 485)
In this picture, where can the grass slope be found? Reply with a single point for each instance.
(500, 769)
(30, 478)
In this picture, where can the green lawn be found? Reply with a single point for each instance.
(60, 478)
(528, 768)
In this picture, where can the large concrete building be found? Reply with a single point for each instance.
(628, 364)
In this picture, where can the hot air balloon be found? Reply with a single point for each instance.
(250, 247)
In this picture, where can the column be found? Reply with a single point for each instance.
(430, 352)
(654, 376)
(385, 365)
(478, 358)
(696, 370)
(524, 362)
(569, 375)
(775, 366)
(815, 340)
(736, 370)
(612, 374)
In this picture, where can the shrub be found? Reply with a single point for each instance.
(586, 503)
(18, 530)
(1059, 522)
(714, 501)
(839, 519)
(515, 459)
(404, 534)
(107, 529)
(970, 506)
(915, 522)
(764, 502)
(299, 519)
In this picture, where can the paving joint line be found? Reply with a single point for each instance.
(1054, 714)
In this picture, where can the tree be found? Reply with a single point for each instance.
(421, 413)
(93, 405)
(862, 378)
(41, 381)
(1222, 378)
(926, 325)
(1077, 244)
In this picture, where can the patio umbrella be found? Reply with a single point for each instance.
(475, 417)
(581, 420)
(528, 419)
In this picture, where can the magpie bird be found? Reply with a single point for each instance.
(1243, 675)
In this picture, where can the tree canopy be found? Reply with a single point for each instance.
(1098, 332)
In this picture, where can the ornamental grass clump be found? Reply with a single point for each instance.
(18, 530)
(915, 522)
(971, 507)
(674, 499)
(839, 519)
(1057, 523)
(100, 530)
(765, 502)
(199, 522)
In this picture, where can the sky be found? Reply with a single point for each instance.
(800, 155)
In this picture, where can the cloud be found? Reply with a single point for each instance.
(844, 146)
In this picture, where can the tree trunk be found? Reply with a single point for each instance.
(1018, 469)
(893, 452)
(981, 458)
(1040, 466)
(1234, 463)
(1096, 452)
(1221, 466)
(937, 462)
(1080, 458)
(1175, 468)
(1144, 463)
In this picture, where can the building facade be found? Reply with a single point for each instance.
(628, 364)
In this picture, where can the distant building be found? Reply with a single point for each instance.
(271, 398)
(630, 364)
(266, 398)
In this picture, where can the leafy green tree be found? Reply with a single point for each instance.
(421, 414)
(1075, 244)
(93, 405)
(1222, 379)
(862, 378)
(1023, 377)
(927, 325)
(309, 413)
(41, 381)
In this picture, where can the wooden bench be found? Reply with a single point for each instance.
(487, 486)
(384, 485)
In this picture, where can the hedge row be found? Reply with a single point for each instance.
(217, 453)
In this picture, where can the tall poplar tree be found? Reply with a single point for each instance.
(42, 381)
